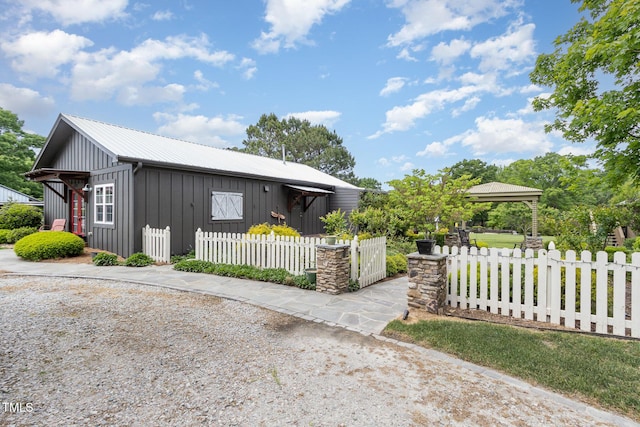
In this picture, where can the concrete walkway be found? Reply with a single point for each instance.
(367, 311)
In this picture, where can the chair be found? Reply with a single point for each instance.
(57, 225)
(465, 239)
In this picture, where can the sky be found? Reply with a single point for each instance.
(405, 83)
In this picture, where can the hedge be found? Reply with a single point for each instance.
(48, 245)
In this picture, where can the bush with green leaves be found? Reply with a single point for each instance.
(105, 259)
(274, 275)
(335, 222)
(138, 260)
(396, 263)
(16, 215)
(277, 229)
(49, 245)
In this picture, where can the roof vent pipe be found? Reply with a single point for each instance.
(284, 162)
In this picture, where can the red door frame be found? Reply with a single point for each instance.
(78, 210)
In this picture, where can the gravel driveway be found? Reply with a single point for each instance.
(91, 352)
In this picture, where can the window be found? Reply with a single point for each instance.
(104, 203)
(226, 206)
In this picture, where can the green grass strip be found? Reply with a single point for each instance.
(603, 371)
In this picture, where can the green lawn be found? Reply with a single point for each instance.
(503, 240)
(598, 370)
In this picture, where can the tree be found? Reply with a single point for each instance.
(475, 168)
(312, 145)
(566, 181)
(595, 75)
(421, 198)
(17, 154)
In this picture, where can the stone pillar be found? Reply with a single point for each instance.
(534, 243)
(332, 263)
(427, 282)
(451, 240)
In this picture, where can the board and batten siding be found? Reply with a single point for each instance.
(182, 201)
(118, 237)
(80, 154)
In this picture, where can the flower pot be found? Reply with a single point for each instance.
(331, 240)
(311, 275)
(425, 246)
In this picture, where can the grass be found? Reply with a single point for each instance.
(503, 240)
(600, 371)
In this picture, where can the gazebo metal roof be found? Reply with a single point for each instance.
(501, 192)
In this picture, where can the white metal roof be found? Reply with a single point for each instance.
(129, 144)
(9, 194)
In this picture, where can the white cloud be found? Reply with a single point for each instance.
(403, 118)
(248, 67)
(291, 21)
(576, 150)
(493, 135)
(382, 161)
(150, 95)
(468, 105)
(427, 17)
(102, 74)
(406, 55)
(69, 12)
(162, 15)
(200, 129)
(40, 54)
(327, 118)
(407, 166)
(24, 101)
(499, 53)
(203, 83)
(394, 84)
(435, 149)
(445, 54)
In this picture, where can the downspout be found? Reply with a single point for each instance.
(137, 168)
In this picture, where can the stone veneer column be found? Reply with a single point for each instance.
(333, 264)
(427, 282)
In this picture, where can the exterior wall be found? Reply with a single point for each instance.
(119, 236)
(7, 194)
(182, 200)
(80, 154)
(346, 199)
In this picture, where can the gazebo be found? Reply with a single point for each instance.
(501, 192)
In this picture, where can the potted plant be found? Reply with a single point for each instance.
(335, 224)
(425, 246)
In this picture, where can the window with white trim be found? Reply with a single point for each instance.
(226, 206)
(104, 203)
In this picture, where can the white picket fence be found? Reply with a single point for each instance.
(156, 242)
(368, 260)
(294, 254)
(548, 287)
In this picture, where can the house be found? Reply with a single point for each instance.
(109, 182)
(10, 195)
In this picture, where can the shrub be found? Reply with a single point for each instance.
(611, 250)
(4, 236)
(52, 244)
(104, 259)
(138, 260)
(481, 244)
(193, 265)
(18, 233)
(177, 258)
(335, 222)
(277, 229)
(16, 215)
(396, 264)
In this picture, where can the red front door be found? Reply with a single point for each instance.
(78, 209)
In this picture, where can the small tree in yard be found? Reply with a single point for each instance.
(420, 198)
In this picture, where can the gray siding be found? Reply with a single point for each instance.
(119, 237)
(80, 154)
(54, 206)
(182, 200)
(346, 199)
